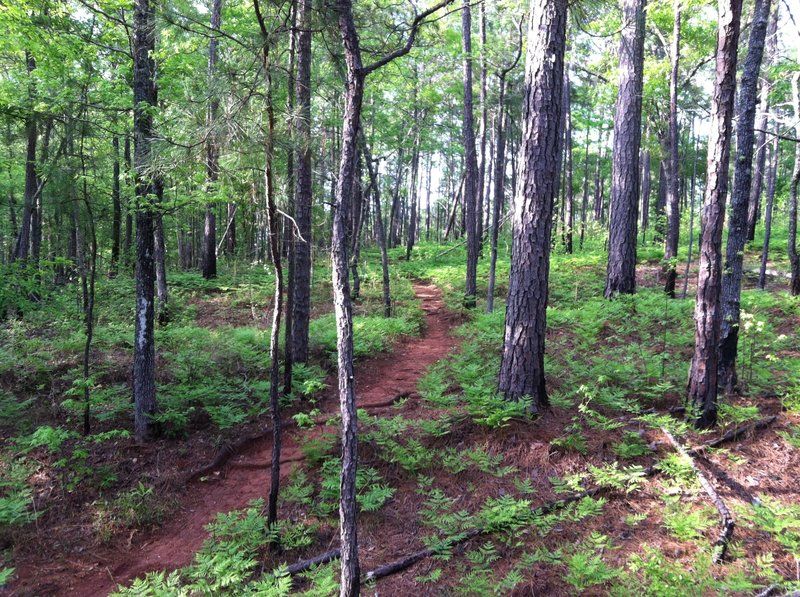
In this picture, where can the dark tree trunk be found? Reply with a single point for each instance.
(661, 205)
(471, 181)
(428, 201)
(116, 221)
(672, 169)
(160, 256)
(585, 195)
(301, 304)
(144, 101)
(230, 228)
(621, 271)
(394, 214)
(22, 248)
(379, 230)
(702, 390)
(275, 255)
(412, 220)
(128, 242)
(522, 365)
(289, 239)
(359, 202)
(771, 180)
(753, 207)
(794, 259)
(742, 181)
(209, 257)
(598, 183)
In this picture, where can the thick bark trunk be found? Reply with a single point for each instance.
(672, 169)
(753, 207)
(522, 365)
(301, 303)
(144, 101)
(471, 190)
(621, 270)
(702, 387)
(569, 195)
(743, 178)
(288, 229)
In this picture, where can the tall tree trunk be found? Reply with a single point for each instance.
(585, 195)
(471, 179)
(209, 258)
(428, 200)
(772, 176)
(22, 249)
(128, 242)
(379, 229)
(672, 168)
(569, 195)
(753, 206)
(394, 214)
(289, 239)
(794, 259)
(702, 390)
(522, 365)
(646, 185)
(621, 271)
(480, 193)
(301, 304)
(412, 221)
(144, 102)
(742, 181)
(691, 217)
(116, 221)
(275, 255)
(160, 256)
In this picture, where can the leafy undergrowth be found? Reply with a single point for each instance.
(212, 387)
(461, 462)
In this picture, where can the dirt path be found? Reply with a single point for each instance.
(378, 382)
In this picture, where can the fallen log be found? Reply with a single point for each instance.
(225, 453)
(721, 545)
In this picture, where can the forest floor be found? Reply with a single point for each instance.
(590, 497)
(383, 381)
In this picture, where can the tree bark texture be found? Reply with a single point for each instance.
(471, 190)
(742, 182)
(621, 270)
(522, 365)
(771, 179)
(209, 258)
(794, 259)
(144, 100)
(702, 387)
(672, 168)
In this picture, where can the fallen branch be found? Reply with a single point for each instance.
(227, 452)
(721, 545)
(734, 434)
(390, 402)
(323, 558)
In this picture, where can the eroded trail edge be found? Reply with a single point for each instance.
(245, 477)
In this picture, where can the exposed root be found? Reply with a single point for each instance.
(227, 452)
(721, 545)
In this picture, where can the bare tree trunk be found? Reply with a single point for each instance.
(471, 179)
(379, 229)
(646, 185)
(794, 259)
(289, 239)
(412, 221)
(771, 180)
(116, 218)
(22, 249)
(672, 169)
(160, 255)
(301, 304)
(743, 178)
(585, 197)
(144, 100)
(522, 365)
(621, 271)
(209, 258)
(128, 242)
(702, 390)
(691, 217)
(480, 193)
(569, 195)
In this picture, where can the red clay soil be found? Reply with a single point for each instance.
(380, 381)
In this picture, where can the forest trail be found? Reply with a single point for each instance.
(379, 383)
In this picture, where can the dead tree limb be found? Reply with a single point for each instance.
(225, 453)
(735, 434)
(319, 560)
(721, 545)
